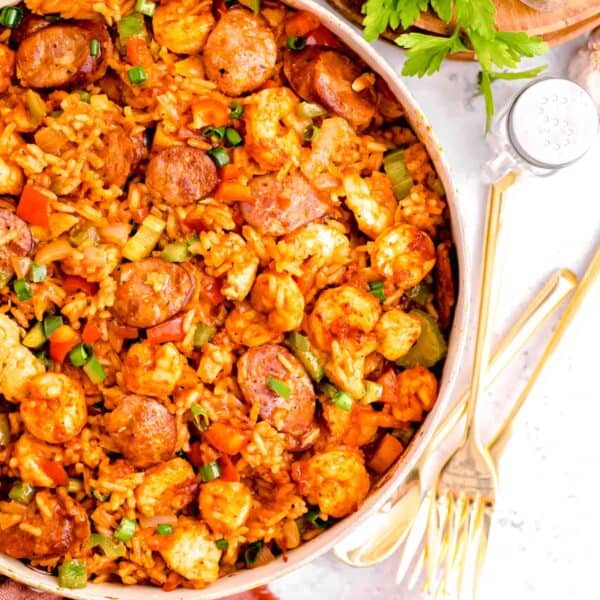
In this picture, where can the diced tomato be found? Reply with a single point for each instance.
(301, 24)
(387, 454)
(62, 341)
(226, 438)
(391, 389)
(74, 283)
(138, 52)
(195, 454)
(229, 172)
(228, 470)
(126, 333)
(169, 331)
(91, 333)
(208, 111)
(212, 290)
(231, 191)
(322, 37)
(55, 471)
(33, 206)
(195, 219)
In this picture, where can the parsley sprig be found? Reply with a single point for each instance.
(475, 29)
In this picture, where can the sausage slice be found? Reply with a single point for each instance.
(143, 430)
(181, 175)
(326, 76)
(121, 153)
(445, 294)
(151, 291)
(59, 55)
(293, 415)
(240, 53)
(20, 242)
(280, 206)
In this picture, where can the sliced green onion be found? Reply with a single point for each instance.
(93, 369)
(11, 16)
(300, 346)
(314, 518)
(219, 155)
(210, 471)
(373, 392)
(279, 387)
(137, 75)
(72, 574)
(110, 548)
(51, 323)
(35, 337)
(310, 133)
(130, 26)
(79, 355)
(22, 492)
(236, 110)
(222, 544)
(22, 289)
(175, 252)
(164, 529)
(214, 132)
(342, 400)
(203, 334)
(201, 420)
(396, 169)
(38, 273)
(252, 551)
(376, 288)
(296, 43)
(94, 47)
(84, 96)
(145, 7)
(233, 137)
(74, 485)
(126, 529)
(4, 430)
(310, 110)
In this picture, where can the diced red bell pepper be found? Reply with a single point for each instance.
(169, 331)
(62, 341)
(91, 333)
(126, 333)
(301, 23)
(226, 438)
(55, 471)
(33, 206)
(212, 290)
(391, 389)
(195, 454)
(228, 470)
(138, 52)
(74, 283)
(232, 191)
(229, 172)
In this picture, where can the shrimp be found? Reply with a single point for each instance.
(54, 410)
(279, 296)
(32, 455)
(7, 67)
(271, 136)
(417, 392)
(345, 367)
(396, 332)
(152, 370)
(182, 25)
(228, 254)
(94, 263)
(336, 481)
(17, 364)
(403, 255)
(372, 201)
(342, 426)
(225, 505)
(12, 177)
(191, 551)
(248, 327)
(166, 488)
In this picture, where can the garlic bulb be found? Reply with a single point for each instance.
(544, 5)
(584, 67)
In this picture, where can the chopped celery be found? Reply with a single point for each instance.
(430, 348)
(373, 392)
(420, 293)
(35, 337)
(203, 334)
(110, 548)
(175, 252)
(310, 110)
(72, 574)
(300, 346)
(144, 239)
(395, 168)
(36, 106)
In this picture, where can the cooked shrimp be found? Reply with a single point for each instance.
(396, 332)
(7, 67)
(224, 505)
(417, 391)
(271, 139)
(279, 296)
(228, 254)
(345, 366)
(248, 327)
(17, 364)
(182, 25)
(54, 410)
(342, 425)
(11, 174)
(94, 263)
(372, 201)
(32, 455)
(403, 254)
(191, 551)
(336, 481)
(152, 370)
(166, 488)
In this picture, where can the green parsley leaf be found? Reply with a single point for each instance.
(477, 16)
(381, 14)
(521, 43)
(511, 75)
(443, 8)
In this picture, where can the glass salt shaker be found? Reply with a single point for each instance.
(546, 126)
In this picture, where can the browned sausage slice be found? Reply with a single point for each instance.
(120, 153)
(59, 55)
(30, 24)
(240, 53)
(16, 240)
(280, 206)
(326, 76)
(293, 415)
(143, 430)
(181, 175)
(445, 293)
(151, 291)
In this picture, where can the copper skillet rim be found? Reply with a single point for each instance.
(247, 579)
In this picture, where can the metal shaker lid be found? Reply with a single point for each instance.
(552, 123)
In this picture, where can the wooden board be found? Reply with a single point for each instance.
(556, 27)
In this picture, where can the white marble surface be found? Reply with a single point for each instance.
(544, 541)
